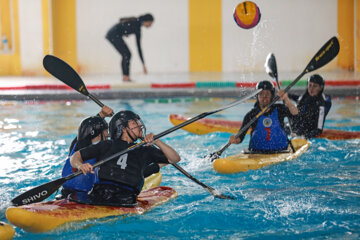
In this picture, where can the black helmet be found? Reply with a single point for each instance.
(266, 85)
(120, 121)
(316, 78)
(91, 127)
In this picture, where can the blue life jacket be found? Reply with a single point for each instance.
(268, 134)
(82, 182)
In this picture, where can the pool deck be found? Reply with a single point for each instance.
(342, 84)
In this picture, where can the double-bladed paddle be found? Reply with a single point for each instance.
(326, 53)
(271, 70)
(44, 191)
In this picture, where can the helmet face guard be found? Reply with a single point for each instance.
(140, 124)
(120, 121)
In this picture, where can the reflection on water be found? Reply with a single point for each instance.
(346, 110)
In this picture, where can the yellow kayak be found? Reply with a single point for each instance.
(243, 162)
(7, 232)
(46, 216)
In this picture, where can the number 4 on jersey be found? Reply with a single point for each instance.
(122, 161)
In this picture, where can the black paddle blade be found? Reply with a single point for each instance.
(270, 66)
(222, 196)
(65, 73)
(39, 193)
(327, 53)
(212, 156)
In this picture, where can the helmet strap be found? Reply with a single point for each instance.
(128, 133)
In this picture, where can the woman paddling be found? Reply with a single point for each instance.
(313, 107)
(267, 134)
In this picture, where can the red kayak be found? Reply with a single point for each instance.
(209, 125)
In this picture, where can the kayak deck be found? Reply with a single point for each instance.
(243, 162)
(42, 217)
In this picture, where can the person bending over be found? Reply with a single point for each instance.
(125, 27)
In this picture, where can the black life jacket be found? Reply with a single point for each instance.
(127, 169)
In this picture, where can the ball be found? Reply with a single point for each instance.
(247, 15)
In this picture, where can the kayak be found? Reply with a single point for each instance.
(206, 126)
(7, 232)
(334, 134)
(243, 162)
(46, 216)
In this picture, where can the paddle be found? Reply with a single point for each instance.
(65, 73)
(43, 191)
(326, 53)
(271, 69)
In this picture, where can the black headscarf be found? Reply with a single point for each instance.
(146, 18)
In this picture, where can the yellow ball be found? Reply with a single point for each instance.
(247, 14)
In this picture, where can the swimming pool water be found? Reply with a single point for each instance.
(314, 196)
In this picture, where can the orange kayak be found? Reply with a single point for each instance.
(46, 216)
(210, 125)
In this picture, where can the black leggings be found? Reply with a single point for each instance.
(123, 49)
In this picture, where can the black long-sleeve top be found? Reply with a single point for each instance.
(312, 113)
(131, 26)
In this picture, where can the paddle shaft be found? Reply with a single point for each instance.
(271, 65)
(96, 100)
